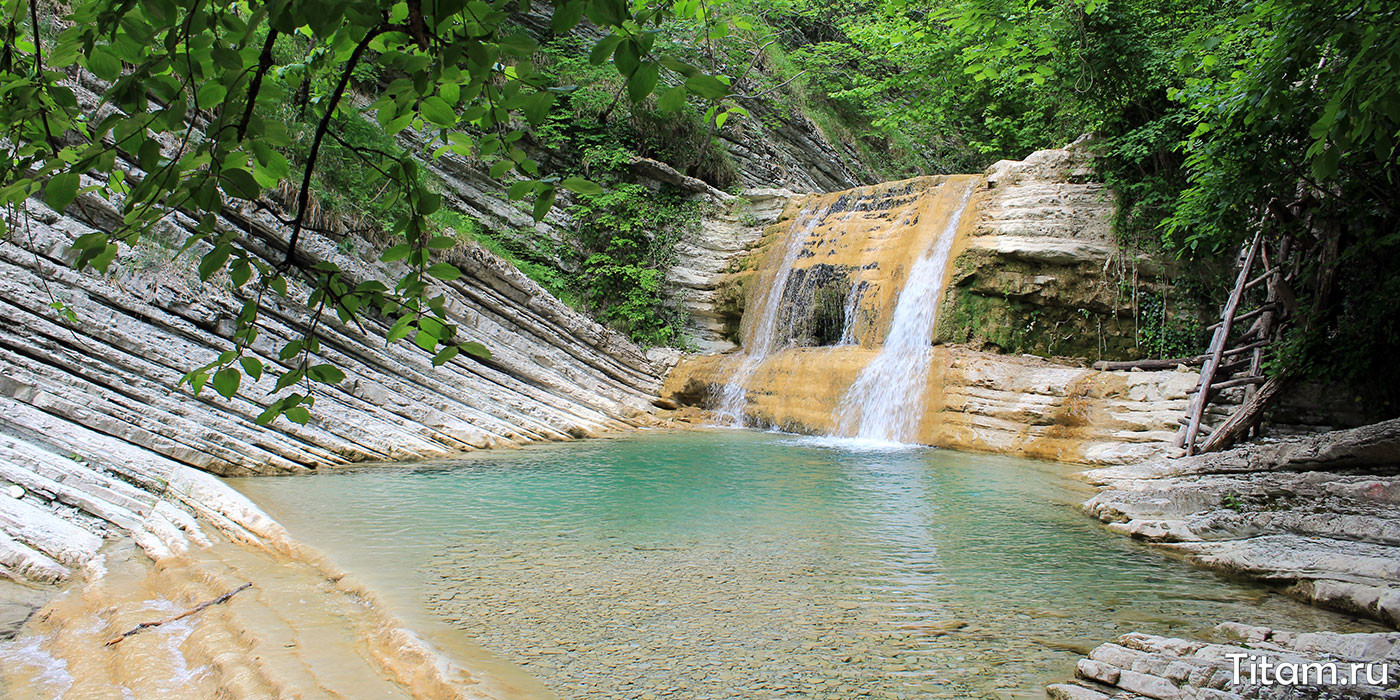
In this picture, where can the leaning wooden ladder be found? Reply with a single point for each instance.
(1239, 363)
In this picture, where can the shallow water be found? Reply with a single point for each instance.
(729, 563)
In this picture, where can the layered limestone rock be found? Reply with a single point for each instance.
(1040, 271)
(705, 257)
(781, 147)
(1242, 662)
(1319, 515)
(95, 420)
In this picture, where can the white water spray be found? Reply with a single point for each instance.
(886, 400)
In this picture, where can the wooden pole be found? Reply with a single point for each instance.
(1217, 349)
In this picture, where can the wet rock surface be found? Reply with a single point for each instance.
(975, 400)
(1320, 514)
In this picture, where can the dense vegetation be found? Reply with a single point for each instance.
(1213, 120)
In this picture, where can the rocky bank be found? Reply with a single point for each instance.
(1317, 516)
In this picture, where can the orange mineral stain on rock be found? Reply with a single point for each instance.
(303, 629)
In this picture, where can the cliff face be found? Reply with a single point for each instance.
(1040, 272)
(1032, 254)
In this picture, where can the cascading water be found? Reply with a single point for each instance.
(762, 338)
(885, 402)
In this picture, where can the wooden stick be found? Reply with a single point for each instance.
(1171, 363)
(1242, 381)
(208, 603)
(1261, 278)
(1246, 316)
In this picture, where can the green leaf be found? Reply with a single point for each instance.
(582, 186)
(61, 191)
(239, 183)
(214, 260)
(604, 49)
(210, 94)
(326, 374)
(288, 379)
(445, 355)
(607, 12)
(436, 110)
(537, 107)
(671, 100)
(104, 64)
(396, 253)
(543, 203)
(518, 44)
(252, 367)
(442, 242)
(707, 86)
(567, 17)
(520, 190)
(445, 271)
(681, 67)
(226, 382)
(425, 340)
(298, 415)
(642, 82)
(476, 350)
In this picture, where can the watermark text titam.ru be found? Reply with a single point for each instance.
(1261, 670)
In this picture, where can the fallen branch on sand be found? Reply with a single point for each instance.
(208, 603)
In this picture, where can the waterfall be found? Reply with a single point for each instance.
(762, 338)
(886, 400)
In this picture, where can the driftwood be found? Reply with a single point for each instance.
(156, 623)
(1148, 365)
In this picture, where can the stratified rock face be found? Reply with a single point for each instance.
(94, 423)
(1243, 662)
(705, 256)
(975, 400)
(1039, 271)
(793, 155)
(1319, 514)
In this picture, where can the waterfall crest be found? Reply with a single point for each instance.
(885, 402)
